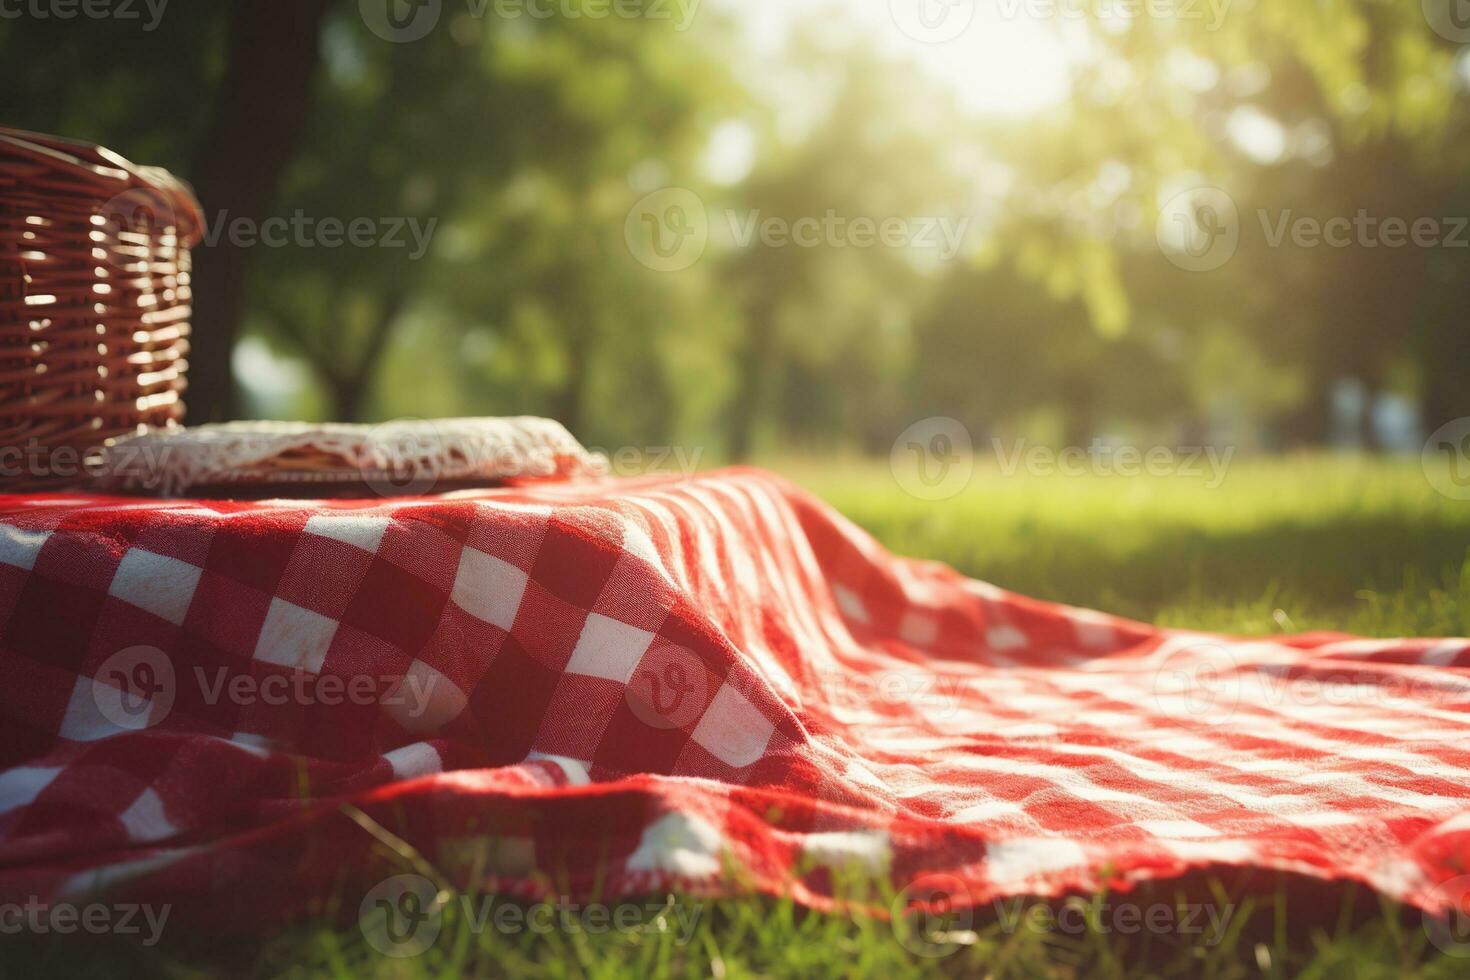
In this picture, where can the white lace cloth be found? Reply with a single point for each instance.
(399, 457)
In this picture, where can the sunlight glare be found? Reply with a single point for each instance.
(1000, 61)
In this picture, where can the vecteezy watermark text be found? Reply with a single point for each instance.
(833, 230)
(411, 693)
(1101, 458)
(38, 918)
(140, 210)
(941, 21)
(301, 230)
(137, 688)
(934, 459)
(403, 916)
(1077, 917)
(123, 10)
(36, 460)
(1206, 683)
(1200, 229)
(1363, 230)
(650, 460)
(937, 915)
(1211, 12)
(669, 229)
(405, 21)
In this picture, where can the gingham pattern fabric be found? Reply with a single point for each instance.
(711, 683)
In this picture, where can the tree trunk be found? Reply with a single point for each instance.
(1079, 402)
(259, 114)
(347, 396)
(1444, 358)
(1310, 423)
(348, 380)
(754, 365)
(570, 401)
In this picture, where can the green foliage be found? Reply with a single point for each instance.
(526, 141)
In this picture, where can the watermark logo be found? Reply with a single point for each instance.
(1446, 459)
(135, 688)
(405, 457)
(138, 210)
(934, 916)
(667, 231)
(409, 456)
(1198, 684)
(932, 21)
(1450, 930)
(133, 219)
(933, 459)
(401, 21)
(1450, 19)
(1199, 229)
(669, 688)
(401, 916)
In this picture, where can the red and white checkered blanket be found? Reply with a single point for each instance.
(620, 686)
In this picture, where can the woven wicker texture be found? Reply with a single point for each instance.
(94, 303)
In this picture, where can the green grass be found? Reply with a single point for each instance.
(1265, 935)
(1319, 542)
(1314, 542)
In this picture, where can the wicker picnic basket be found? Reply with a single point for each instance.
(94, 303)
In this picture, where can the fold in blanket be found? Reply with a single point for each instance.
(617, 687)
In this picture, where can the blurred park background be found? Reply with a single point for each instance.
(769, 226)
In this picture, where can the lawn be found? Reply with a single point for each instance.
(1318, 542)
(1315, 542)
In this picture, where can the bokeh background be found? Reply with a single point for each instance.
(765, 226)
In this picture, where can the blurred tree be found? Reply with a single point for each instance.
(829, 315)
(260, 109)
(429, 141)
(69, 77)
(517, 145)
(1296, 110)
(507, 142)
